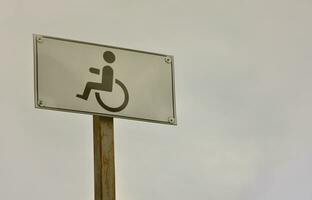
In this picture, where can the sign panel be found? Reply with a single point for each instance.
(103, 80)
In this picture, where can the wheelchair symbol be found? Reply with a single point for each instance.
(105, 85)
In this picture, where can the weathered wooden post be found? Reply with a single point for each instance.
(104, 160)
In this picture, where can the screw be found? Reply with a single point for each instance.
(40, 103)
(168, 60)
(39, 39)
(171, 120)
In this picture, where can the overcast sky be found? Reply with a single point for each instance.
(243, 91)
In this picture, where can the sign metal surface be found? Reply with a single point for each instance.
(97, 79)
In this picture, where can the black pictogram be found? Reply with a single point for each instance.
(105, 85)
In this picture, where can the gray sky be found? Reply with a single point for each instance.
(243, 91)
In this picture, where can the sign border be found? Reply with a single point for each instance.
(36, 100)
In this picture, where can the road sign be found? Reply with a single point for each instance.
(97, 79)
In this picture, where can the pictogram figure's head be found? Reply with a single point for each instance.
(109, 56)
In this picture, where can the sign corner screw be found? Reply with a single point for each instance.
(168, 59)
(171, 120)
(40, 39)
(40, 103)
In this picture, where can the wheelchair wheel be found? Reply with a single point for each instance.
(114, 109)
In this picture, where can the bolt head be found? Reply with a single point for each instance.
(171, 120)
(40, 103)
(168, 59)
(39, 39)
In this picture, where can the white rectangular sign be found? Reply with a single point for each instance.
(103, 80)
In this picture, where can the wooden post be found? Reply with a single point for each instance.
(104, 161)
